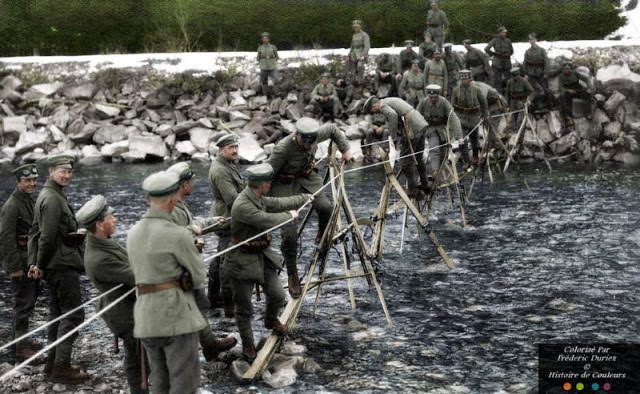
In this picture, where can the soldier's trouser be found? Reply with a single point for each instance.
(469, 121)
(452, 84)
(242, 292)
(409, 164)
(132, 362)
(264, 80)
(389, 79)
(219, 286)
(437, 35)
(356, 71)
(518, 117)
(435, 155)
(289, 232)
(174, 362)
(64, 295)
(566, 102)
(332, 107)
(206, 336)
(501, 73)
(25, 294)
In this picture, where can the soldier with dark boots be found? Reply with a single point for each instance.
(324, 98)
(519, 93)
(471, 107)
(15, 222)
(501, 49)
(477, 62)
(571, 88)
(358, 54)
(268, 61)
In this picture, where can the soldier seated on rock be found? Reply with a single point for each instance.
(324, 98)
(385, 81)
(570, 88)
(377, 132)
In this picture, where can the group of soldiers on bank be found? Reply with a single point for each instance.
(162, 323)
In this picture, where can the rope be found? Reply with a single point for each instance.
(59, 318)
(67, 335)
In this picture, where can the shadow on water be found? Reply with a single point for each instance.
(556, 263)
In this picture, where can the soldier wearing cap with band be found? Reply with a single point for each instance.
(358, 53)
(471, 107)
(268, 61)
(437, 23)
(407, 125)
(226, 183)
(435, 71)
(501, 49)
(454, 65)
(167, 267)
(107, 266)
(444, 125)
(293, 164)
(211, 346)
(412, 86)
(55, 253)
(324, 98)
(406, 57)
(519, 93)
(254, 261)
(477, 62)
(15, 222)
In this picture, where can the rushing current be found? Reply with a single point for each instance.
(546, 257)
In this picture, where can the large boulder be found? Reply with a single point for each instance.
(11, 82)
(115, 149)
(14, 125)
(612, 130)
(84, 91)
(146, 146)
(627, 158)
(42, 90)
(200, 137)
(611, 105)
(565, 143)
(186, 148)
(109, 134)
(618, 77)
(107, 111)
(90, 155)
(249, 150)
(29, 140)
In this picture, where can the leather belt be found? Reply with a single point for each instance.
(467, 109)
(147, 289)
(438, 122)
(433, 25)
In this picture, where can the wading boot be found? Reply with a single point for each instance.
(249, 352)
(294, 285)
(278, 328)
(218, 346)
(48, 366)
(68, 375)
(24, 351)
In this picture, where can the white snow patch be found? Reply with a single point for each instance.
(631, 29)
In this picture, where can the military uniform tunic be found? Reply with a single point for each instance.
(385, 65)
(470, 106)
(435, 72)
(360, 45)
(518, 91)
(412, 87)
(440, 116)
(536, 62)
(322, 90)
(371, 135)
(15, 222)
(478, 62)
(292, 166)
(454, 65)
(436, 23)
(571, 88)
(501, 50)
(405, 59)
(268, 61)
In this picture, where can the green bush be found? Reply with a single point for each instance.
(51, 27)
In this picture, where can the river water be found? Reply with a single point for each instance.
(546, 257)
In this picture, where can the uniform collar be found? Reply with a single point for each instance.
(50, 183)
(156, 213)
(253, 197)
(101, 242)
(22, 196)
(220, 159)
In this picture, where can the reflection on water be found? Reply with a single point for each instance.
(556, 263)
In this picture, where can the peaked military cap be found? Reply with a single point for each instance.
(465, 74)
(161, 183)
(515, 70)
(28, 171)
(183, 169)
(259, 173)
(325, 75)
(356, 22)
(433, 90)
(409, 42)
(265, 34)
(567, 65)
(533, 36)
(438, 51)
(227, 139)
(93, 210)
(366, 108)
(64, 161)
(502, 29)
(467, 42)
(307, 128)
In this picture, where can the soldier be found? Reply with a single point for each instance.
(384, 76)
(293, 163)
(379, 131)
(519, 93)
(471, 107)
(412, 86)
(107, 266)
(426, 48)
(324, 98)
(437, 22)
(211, 346)
(358, 53)
(15, 222)
(496, 104)
(167, 267)
(501, 49)
(441, 117)
(454, 65)
(406, 57)
(477, 61)
(536, 68)
(268, 60)
(225, 183)
(435, 71)
(254, 261)
(409, 126)
(343, 91)
(55, 253)
(571, 88)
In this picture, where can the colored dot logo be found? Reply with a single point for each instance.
(579, 386)
(567, 386)
(595, 387)
(606, 387)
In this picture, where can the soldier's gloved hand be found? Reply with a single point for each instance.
(35, 272)
(293, 213)
(18, 275)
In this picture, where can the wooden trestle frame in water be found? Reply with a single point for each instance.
(335, 234)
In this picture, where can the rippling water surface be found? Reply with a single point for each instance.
(558, 262)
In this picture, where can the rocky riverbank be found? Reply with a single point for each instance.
(136, 114)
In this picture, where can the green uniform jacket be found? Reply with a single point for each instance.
(268, 57)
(161, 251)
(322, 90)
(405, 58)
(412, 85)
(501, 50)
(225, 182)
(53, 218)
(536, 61)
(107, 266)
(496, 103)
(427, 48)
(251, 216)
(435, 71)
(360, 45)
(464, 98)
(437, 19)
(476, 61)
(572, 81)
(438, 115)
(393, 109)
(182, 217)
(288, 158)
(518, 91)
(454, 64)
(15, 220)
